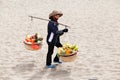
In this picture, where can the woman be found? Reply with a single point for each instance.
(53, 37)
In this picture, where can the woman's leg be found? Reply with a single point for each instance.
(56, 59)
(49, 54)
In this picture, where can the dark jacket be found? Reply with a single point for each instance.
(53, 33)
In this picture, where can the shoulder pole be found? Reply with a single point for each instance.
(48, 20)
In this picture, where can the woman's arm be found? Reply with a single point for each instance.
(53, 27)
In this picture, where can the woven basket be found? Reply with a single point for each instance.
(68, 58)
(32, 47)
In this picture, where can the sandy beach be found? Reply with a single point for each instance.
(95, 29)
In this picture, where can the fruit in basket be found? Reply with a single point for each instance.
(76, 48)
(35, 47)
(72, 47)
(67, 49)
(61, 51)
(33, 39)
(27, 39)
(66, 45)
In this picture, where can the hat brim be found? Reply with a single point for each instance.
(53, 14)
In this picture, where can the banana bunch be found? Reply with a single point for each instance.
(73, 47)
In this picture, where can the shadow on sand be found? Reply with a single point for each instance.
(21, 68)
(53, 74)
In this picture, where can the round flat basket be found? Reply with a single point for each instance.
(32, 47)
(68, 58)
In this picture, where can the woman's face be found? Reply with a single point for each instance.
(57, 16)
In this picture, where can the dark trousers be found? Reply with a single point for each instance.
(50, 52)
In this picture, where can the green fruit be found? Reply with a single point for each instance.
(38, 41)
(72, 47)
(76, 48)
(63, 52)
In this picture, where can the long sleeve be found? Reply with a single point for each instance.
(53, 33)
(53, 27)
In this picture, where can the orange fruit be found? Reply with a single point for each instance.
(68, 51)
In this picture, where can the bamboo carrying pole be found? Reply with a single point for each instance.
(48, 20)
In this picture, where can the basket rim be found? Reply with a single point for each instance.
(69, 55)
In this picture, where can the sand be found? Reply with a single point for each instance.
(95, 28)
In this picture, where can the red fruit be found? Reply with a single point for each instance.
(32, 41)
(27, 40)
(35, 47)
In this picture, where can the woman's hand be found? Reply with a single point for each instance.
(65, 30)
